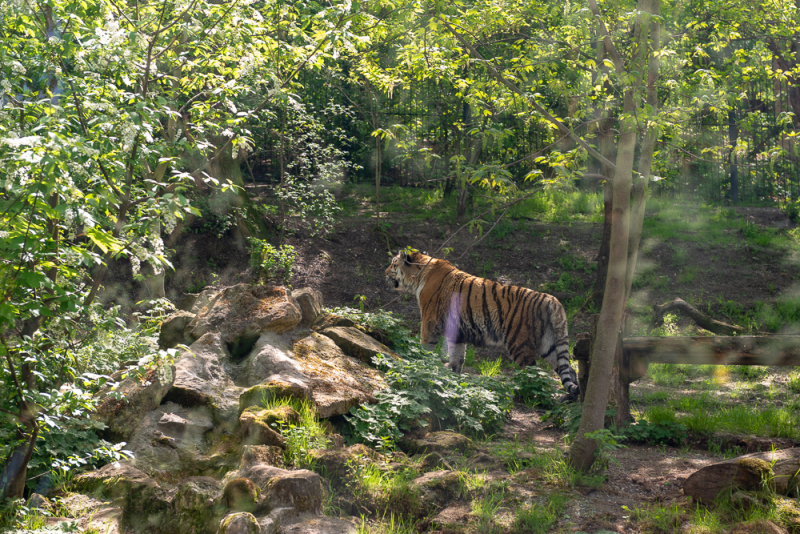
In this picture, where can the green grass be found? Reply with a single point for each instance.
(490, 367)
(301, 437)
(709, 403)
(384, 491)
(387, 525)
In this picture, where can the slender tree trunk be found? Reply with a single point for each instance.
(581, 453)
(621, 262)
(733, 138)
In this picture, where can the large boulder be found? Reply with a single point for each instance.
(778, 468)
(174, 330)
(357, 344)
(244, 312)
(122, 409)
(239, 523)
(175, 439)
(302, 490)
(257, 430)
(197, 505)
(310, 302)
(312, 368)
(201, 379)
(337, 382)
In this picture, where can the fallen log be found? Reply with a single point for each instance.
(777, 469)
(702, 320)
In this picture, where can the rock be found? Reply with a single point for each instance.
(320, 525)
(328, 320)
(197, 505)
(277, 518)
(173, 330)
(337, 382)
(244, 312)
(758, 527)
(112, 481)
(310, 302)
(443, 442)
(257, 432)
(437, 487)
(122, 409)
(302, 490)
(173, 439)
(745, 473)
(239, 523)
(37, 501)
(357, 344)
(202, 380)
(433, 460)
(240, 494)
(253, 455)
(454, 515)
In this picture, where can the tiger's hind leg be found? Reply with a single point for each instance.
(558, 359)
(456, 352)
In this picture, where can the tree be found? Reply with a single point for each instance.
(110, 114)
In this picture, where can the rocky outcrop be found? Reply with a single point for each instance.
(207, 451)
(243, 312)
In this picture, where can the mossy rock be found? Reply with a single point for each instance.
(328, 320)
(241, 495)
(752, 473)
(272, 416)
(239, 523)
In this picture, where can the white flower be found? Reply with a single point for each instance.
(17, 69)
(227, 132)
(3, 234)
(31, 140)
(27, 256)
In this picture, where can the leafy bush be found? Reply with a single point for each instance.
(661, 433)
(535, 387)
(270, 262)
(421, 387)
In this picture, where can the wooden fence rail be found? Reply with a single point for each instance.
(638, 352)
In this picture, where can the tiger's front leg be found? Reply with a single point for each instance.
(456, 352)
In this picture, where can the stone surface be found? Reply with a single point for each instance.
(302, 490)
(173, 438)
(455, 514)
(202, 380)
(253, 455)
(443, 442)
(437, 487)
(197, 505)
(256, 431)
(244, 312)
(745, 473)
(328, 320)
(122, 409)
(356, 343)
(320, 525)
(310, 302)
(173, 330)
(111, 481)
(239, 523)
(337, 382)
(240, 494)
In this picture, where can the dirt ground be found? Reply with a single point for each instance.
(350, 262)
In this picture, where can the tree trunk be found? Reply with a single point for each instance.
(581, 453)
(733, 138)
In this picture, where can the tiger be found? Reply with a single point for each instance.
(468, 309)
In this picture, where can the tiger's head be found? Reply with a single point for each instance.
(403, 273)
